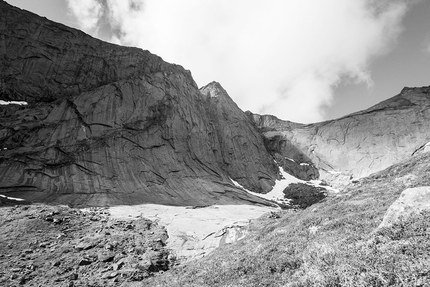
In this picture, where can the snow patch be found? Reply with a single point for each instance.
(11, 198)
(196, 232)
(22, 103)
(238, 185)
(304, 163)
(276, 194)
(426, 147)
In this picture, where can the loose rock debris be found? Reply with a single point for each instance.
(43, 245)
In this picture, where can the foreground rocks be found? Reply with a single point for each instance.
(58, 246)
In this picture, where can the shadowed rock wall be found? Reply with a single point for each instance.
(111, 125)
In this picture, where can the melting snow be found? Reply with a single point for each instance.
(195, 232)
(277, 192)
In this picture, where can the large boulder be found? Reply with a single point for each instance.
(411, 201)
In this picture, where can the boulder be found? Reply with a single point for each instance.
(411, 201)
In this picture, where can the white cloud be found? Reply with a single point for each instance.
(277, 57)
(87, 13)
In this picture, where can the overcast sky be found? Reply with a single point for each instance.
(301, 60)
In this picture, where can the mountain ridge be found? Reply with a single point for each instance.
(356, 145)
(111, 124)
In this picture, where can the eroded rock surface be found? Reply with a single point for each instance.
(361, 143)
(109, 125)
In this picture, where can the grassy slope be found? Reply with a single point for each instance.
(333, 243)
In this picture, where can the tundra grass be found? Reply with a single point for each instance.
(333, 243)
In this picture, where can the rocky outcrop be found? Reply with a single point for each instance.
(108, 125)
(361, 143)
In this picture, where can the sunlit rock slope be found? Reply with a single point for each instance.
(358, 144)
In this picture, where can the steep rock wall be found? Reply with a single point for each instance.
(109, 125)
(241, 149)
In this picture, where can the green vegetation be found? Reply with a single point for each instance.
(336, 242)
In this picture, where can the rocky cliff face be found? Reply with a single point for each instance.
(241, 149)
(361, 143)
(109, 125)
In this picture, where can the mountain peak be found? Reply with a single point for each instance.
(213, 90)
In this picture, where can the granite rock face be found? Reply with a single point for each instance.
(110, 125)
(241, 149)
(362, 143)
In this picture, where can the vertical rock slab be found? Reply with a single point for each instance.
(241, 150)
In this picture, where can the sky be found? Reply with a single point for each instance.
(300, 60)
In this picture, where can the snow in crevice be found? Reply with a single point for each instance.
(11, 198)
(22, 103)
